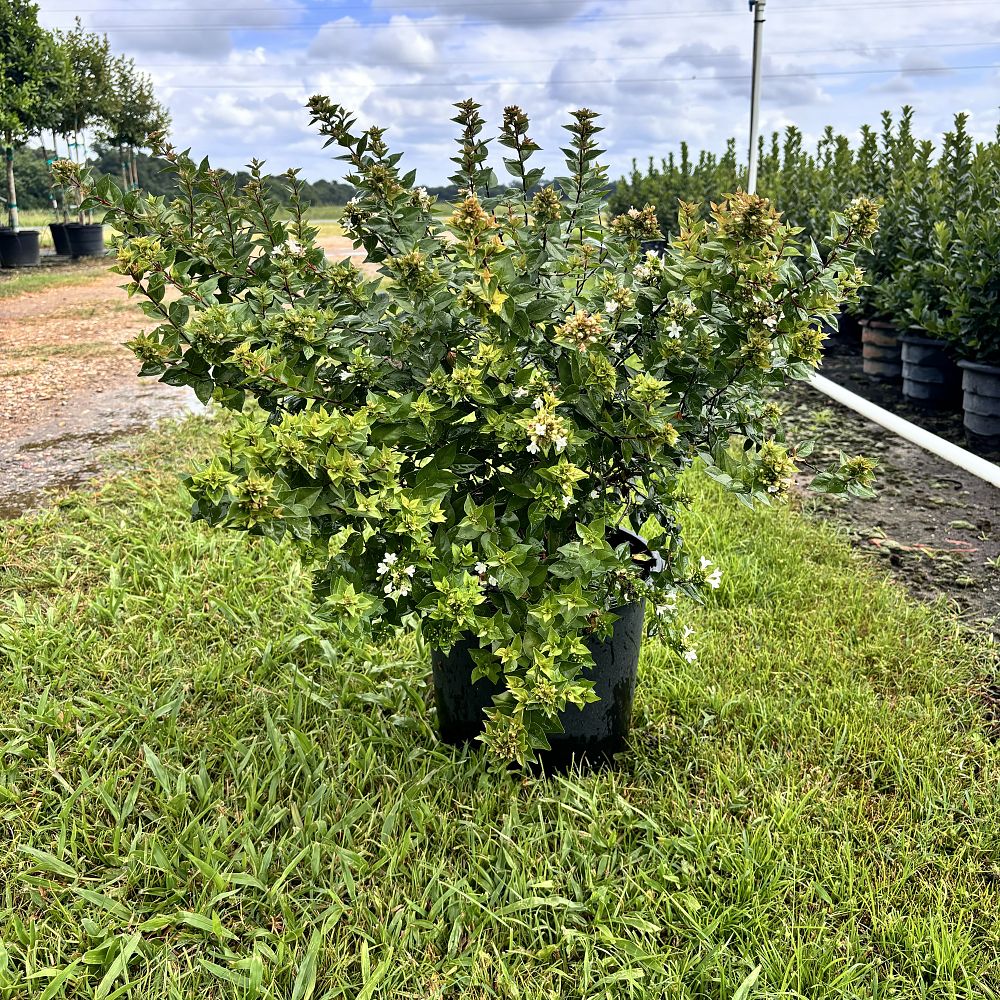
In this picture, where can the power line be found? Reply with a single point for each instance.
(859, 50)
(571, 83)
(506, 4)
(431, 22)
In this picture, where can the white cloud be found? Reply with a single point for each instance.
(659, 75)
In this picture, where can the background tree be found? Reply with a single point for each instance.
(26, 56)
(132, 115)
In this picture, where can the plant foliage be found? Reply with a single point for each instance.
(452, 443)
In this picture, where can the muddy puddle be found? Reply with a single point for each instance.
(64, 450)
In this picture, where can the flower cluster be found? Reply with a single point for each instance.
(581, 330)
(637, 224)
(545, 427)
(398, 579)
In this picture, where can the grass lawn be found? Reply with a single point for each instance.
(200, 797)
(20, 281)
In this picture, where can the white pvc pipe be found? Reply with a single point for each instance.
(986, 471)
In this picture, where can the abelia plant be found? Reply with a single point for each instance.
(452, 443)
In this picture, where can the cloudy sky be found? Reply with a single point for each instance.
(236, 73)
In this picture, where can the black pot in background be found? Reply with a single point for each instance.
(19, 249)
(981, 403)
(60, 239)
(593, 734)
(931, 377)
(658, 247)
(881, 352)
(86, 239)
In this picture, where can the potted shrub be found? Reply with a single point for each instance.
(488, 445)
(885, 170)
(973, 297)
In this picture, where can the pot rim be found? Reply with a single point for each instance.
(882, 324)
(910, 337)
(20, 231)
(979, 366)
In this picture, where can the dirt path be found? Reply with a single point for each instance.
(68, 388)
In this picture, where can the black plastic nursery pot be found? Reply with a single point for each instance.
(848, 328)
(86, 239)
(60, 238)
(931, 378)
(20, 248)
(881, 351)
(593, 734)
(981, 406)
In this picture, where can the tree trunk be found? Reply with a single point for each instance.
(11, 189)
(135, 170)
(124, 166)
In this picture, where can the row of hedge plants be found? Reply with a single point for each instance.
(929, 312)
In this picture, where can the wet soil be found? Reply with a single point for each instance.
(934, 526)
(65, 451)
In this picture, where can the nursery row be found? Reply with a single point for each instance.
(933, 271)
(61, 84)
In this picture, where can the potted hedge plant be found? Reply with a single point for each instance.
(973, 298)
(886, 171)
(944, 192)
(487, 444)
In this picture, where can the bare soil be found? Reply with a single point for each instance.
(934, 526)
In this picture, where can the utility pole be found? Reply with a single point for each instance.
(757, 7)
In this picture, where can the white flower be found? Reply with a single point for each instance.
(690, 655)
(410, 570)
(674, 330)
(611, 307)
(532, 448)
(686, 631)
(594, 494)
(538, 403)
(616, 346)
(492, 581)
(705, 563)
(771, 322)
(404, 591)
(662, 609)
(390, 558)
(539, 430)
(520, 392)
(345, 375)
(481, 568)
(643, 273)
(561, 442)
(388, 589)
(715, 579)
(567, 501)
